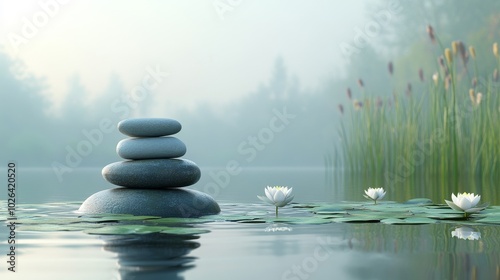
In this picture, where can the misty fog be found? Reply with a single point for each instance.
(278, 122)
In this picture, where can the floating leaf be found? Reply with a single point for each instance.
(179, 220)
(419, 201)
(235, 218)
(56, 227)
(300, 220)
(336, 207)
(357, 219)
(257, 213)
(255, 221)
(491, 219)
(140, 229)
(409, 221)
(299, 205)
(116, 218)
(43, 220)
(331, 213)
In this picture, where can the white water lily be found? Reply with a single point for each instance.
(466, 233)
(278, 196)
(465, 202)
(374, 194)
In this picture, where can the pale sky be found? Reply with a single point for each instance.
(210, 56)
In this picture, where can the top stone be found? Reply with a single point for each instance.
(149, 127)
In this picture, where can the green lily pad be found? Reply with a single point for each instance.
(357, 219)
(257, 213)
(409, 221)
(116, 218)
(299, 205)
(389, 208)
(56, 227)
(331, 213)
(235, 218)
(419, 201)
(184, 231)
(337, 207)
(300, 220)
(140, 229)
(255, 221)
(179, 220)
(491, 219)
(44, 220)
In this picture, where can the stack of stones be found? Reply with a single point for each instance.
(152, 174)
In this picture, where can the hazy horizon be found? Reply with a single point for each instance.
(213, 53)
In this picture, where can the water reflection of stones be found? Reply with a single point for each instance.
(152, 256)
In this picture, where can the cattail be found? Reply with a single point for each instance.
(495, 75)
(472, 51)
(472, 96)
(421, 74)
(360, 83)
(463, 53)
(390, 67)
(447, 54)
(357, 104)
(479, 97)
(495, 49)
(441, 61)
(408, 89)
(430, 31)
(349, 94)
(341, 109)
(435, 78)
(474, 82)
(442, 65)
(447, 82)
(454, 47)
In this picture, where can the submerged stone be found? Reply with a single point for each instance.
(149, 127)
(152, 173)
(181, 203)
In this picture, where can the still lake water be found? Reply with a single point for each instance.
(255, 251)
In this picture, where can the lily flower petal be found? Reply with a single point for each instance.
(453, 206)
(265, 199)
(476, 199)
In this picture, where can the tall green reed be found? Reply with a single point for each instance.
(449, 126)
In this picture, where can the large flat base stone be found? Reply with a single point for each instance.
(151, 202)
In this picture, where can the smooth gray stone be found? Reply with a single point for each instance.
(149, 202)
(152, 173)
(149, 127)
(151, 148)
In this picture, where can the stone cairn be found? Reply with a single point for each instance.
(152, 175)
